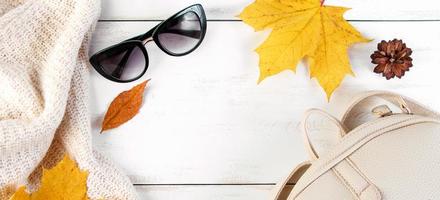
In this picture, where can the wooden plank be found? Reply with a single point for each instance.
(217, 192)
(220, 9)
(205, 120)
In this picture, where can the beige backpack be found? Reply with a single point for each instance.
(385, 147)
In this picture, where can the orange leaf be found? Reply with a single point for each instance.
(124, 107)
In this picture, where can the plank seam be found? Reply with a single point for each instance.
(237, 20)
(209, 184)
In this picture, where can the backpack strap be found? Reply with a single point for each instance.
(293, 177)
(355, 181)
(321, 132)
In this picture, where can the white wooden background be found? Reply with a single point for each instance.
(207, 130)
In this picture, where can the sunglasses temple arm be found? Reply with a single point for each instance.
(117, 72)
(190, 33)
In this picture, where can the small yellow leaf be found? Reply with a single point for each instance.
(64, 181)
(303, 29)
(21, 194)
(124, 107)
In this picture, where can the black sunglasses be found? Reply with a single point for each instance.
(179, 35)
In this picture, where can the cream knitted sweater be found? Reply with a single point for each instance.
(44, 110)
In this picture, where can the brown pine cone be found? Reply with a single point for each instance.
(392, 58)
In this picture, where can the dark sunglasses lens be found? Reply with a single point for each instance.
(182, 34)
(123, 62)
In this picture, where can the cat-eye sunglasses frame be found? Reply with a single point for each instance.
(126, 49)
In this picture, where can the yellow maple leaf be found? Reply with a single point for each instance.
(64, 181)
(303, 29)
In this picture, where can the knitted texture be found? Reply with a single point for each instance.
(44, 106)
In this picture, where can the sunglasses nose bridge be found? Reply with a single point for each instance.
(147, 40)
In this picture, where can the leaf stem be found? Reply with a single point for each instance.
(322, 2)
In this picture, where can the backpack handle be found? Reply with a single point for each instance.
(352, 117)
